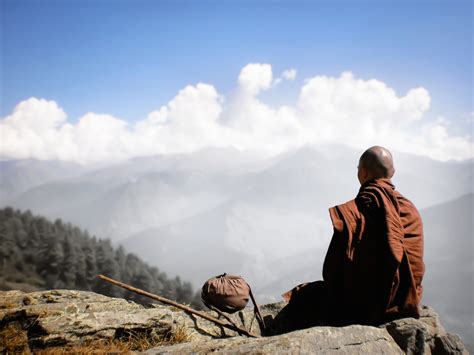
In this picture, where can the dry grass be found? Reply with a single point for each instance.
(137, 341)
(129, 342)
(140, 341)
(96, 347)
(14, 339)
(177, 335)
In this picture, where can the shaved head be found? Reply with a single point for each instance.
(375, 163)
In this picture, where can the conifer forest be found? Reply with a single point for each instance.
(38, 254)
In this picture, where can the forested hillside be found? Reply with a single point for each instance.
(37, 253)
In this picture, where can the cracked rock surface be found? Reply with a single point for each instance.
(58, 318)
(355, 339)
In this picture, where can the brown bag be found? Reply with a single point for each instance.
(229, 293)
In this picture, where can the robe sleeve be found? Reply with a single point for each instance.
(332, 267)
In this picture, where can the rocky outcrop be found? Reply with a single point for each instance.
(75, 319)
(354, 339)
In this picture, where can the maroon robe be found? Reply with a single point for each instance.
(374, 265)
(373, 268)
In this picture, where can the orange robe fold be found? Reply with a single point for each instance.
(374, 265)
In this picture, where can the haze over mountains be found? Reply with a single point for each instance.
(221, 210)
(18, 176)
(449, 279)
(128, 198)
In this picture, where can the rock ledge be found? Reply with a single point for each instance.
(73, 319)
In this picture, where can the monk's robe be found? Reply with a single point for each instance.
(374, 266)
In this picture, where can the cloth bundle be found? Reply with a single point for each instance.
(229, 293)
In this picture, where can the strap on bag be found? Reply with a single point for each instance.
(257, 312)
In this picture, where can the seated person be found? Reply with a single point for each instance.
(374, 266)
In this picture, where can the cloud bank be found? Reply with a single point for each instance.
(343, 109)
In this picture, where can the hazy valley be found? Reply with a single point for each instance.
(221, 210)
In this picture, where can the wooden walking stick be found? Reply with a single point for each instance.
(180, 306)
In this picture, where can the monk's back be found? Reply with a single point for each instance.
(413, 238)
(374, 265)
(373, 270)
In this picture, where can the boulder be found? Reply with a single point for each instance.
(81, 321)
(425, 335)
(355, 339)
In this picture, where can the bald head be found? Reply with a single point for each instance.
(375, 163)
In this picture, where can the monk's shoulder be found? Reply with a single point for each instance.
(406, 206)
(344, 213)
(369, 199)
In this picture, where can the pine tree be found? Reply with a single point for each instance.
(185, 293)
(68, 265)
(81, 268)
(143, 280)
(121, 259)
(51, 254)
(9, 254)
(91, 263)
(106, 265)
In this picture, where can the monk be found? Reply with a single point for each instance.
(374, 268)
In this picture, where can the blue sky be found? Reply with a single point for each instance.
(128, 57)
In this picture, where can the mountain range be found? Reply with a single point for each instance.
(222, 210)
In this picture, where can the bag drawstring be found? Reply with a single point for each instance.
(257, 312)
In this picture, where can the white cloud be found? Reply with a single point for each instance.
(355, 111)
(31, 130)
(256, 77)
(435, 141)
(289, 74)
(341, 109)
(188, 122)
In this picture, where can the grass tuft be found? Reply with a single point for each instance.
(13, 339)
(178, 334)
(141, 341)
(93, 347)
(128, 342)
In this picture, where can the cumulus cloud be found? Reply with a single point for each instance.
(256, 77)
(289, 74)
(344, 109)
(357, 111)
(188, 122)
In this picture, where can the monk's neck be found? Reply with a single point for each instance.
(383, 182)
